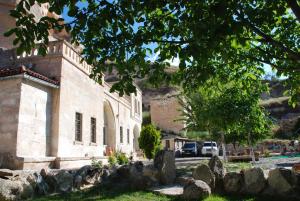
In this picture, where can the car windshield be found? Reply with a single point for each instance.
(209, 144)
(189, 145)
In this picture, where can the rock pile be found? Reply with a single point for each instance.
(18, 185)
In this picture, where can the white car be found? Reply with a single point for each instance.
(210, 148)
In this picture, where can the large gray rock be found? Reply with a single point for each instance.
(15, 190)
(196, 190)
(254, 180)
(64, 181)
(164, 162)
(217, 167)
(203, 172)
(89, 175)
(232, 182)
(42, 188)
(281, 180)
(151, 172)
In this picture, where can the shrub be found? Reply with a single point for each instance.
(149, 141)
(112, 160)
(96, 164)
(122, 159)
(118, 158)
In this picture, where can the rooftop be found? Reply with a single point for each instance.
(22, 70)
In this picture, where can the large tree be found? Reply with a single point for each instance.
(206, 36)
(227, 108)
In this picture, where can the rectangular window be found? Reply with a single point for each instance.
(93, 130)
(121, 134)
(128, 136)
(78, 126)
(104, 136)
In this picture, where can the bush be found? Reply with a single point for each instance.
(112, 160)
(149, 141)
(96, 164)
(118, 158)
(122, 159)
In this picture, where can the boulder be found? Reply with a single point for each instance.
(196, 190)
(164, 162)
(64, 181)
(105, 173)
(78, 181)
(281, 180)
(43, 173)
(51, 182)
(138, 165)
(203, 172)
(89, 174)
(125, 171)
(254, 180)
(41, 186)
(216, 166)
(232, 182)
(151, 172)
(15, 190)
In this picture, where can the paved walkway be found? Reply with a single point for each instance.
(172, 190)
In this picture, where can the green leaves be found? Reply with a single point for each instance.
(227, 106)
(149, 141)
(224, 38)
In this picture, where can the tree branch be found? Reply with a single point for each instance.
(268, 39)
(295, 8)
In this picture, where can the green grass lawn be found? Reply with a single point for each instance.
(121, 194)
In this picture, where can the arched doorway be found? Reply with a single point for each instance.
(136, 134)
(109, 129)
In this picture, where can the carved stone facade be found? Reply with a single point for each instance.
(52, 114)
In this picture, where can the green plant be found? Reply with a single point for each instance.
(96, 164)
(121, 158)
(112, 160)
(149, 141)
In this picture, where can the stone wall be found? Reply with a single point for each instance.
(35, 117)
(165, 112)
(10, 92)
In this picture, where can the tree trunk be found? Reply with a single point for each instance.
(223, 147)
(251, 148)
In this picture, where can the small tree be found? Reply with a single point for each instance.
(149, 141)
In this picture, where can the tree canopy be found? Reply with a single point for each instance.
(229, 109)
(209, 37)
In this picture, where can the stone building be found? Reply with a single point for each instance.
(51, 113)
(166, 114)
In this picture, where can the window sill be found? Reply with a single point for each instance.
(78, 142)
(93, 144)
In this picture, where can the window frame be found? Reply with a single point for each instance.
(93, 130)
(121, 135)
(128, 136)
(78, 126)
